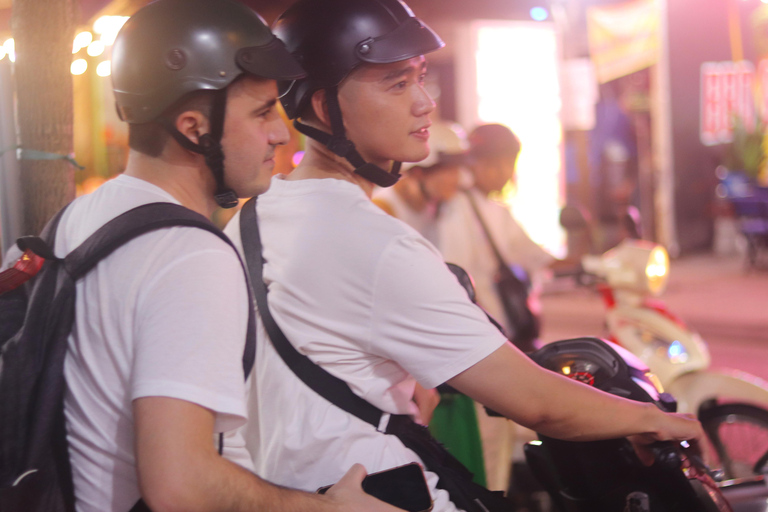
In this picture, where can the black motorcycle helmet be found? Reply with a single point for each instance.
(174, 47)
(330, 38)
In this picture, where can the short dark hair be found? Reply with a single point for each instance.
(493, 141)
(151, 138)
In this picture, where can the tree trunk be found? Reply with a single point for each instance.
(43, 31)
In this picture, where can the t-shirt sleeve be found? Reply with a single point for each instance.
(422, 316)
(191, 334)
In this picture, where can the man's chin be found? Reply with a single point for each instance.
(413, 156)
(255, 188)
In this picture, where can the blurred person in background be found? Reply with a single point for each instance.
(493, 152)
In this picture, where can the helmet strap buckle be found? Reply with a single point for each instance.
(340, 146)
(226, 198)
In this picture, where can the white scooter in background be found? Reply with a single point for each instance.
(630, 276)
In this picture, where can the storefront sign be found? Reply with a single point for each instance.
(623, 38)
(727, 96)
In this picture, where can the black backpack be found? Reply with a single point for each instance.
(35, 322)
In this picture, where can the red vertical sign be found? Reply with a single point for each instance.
(727, 94)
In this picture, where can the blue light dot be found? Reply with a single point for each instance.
(539, 13)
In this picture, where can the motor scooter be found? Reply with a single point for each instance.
(630, 277)
(607, 476)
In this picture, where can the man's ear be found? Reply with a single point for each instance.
(193, 124)
(320, 107)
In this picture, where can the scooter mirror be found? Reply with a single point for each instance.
(464, 279)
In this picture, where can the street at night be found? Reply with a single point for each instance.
(718, 296)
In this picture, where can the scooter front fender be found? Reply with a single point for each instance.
(692, 389)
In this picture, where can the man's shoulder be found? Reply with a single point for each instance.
(89, 213)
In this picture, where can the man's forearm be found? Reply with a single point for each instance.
(179, 468)
(508, 382)
(220, 485)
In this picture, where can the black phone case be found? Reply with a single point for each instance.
(404, 487)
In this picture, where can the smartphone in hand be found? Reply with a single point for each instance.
(403, 487)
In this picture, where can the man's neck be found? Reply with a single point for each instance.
(321, 163)
(185, 179)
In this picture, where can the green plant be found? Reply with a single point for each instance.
(746, 151)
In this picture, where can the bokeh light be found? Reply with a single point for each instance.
(104, 68)
(78, 67)
(82, 40)
(96, 48)
(539, 14)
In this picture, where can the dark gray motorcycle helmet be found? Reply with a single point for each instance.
(330, 38)
(173, 47)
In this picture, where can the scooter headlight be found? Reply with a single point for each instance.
(657, 270)
(634, 265)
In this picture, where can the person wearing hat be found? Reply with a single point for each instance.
(492, 158)
(154, 369)
(357, 300)
(493, 155)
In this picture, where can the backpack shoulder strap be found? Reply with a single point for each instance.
(141, 220)
(330, 387)
(130, 225)
(43, 245)
(491, 242)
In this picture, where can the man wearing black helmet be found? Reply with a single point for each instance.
(363, 296)
(155, 364)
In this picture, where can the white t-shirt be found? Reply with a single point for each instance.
(371, 301)
(164, 315)
(462, 241)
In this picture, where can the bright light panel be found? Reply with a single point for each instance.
(517, 85)
(10, 49)
(108, 27)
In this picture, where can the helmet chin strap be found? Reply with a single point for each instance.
(209, 146)
(343, 147)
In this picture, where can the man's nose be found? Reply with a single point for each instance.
(279, 134)
(423, 102)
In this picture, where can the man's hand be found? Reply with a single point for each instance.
(348, 496)
(672, 427)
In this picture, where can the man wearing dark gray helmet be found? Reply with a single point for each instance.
(365, 300)
(157, 359)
